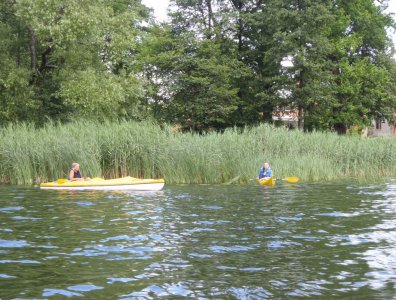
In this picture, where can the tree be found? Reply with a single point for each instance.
(362, 83)
(66, 54)
(16, 95)
(194, 68)
(335, 80)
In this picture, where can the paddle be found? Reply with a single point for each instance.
(232, 180)
(291, 179)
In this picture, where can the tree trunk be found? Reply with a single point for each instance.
(300, 123)
(238, 5)
(44, 59)
(32, 47)
(340, 128)
(210, 18)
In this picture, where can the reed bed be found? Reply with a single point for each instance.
(146, 150)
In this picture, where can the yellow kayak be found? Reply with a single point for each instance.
(124, 183)
(267, 181)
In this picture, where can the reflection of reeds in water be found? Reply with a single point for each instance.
(146, 150)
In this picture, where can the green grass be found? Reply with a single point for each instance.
(30, 155)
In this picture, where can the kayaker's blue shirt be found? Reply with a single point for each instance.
(265, 173)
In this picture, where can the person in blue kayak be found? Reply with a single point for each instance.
(265, 171)
(75, 174)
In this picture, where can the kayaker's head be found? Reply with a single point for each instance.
(75, 166)
(266, 165)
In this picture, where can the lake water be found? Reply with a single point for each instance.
(322, 241)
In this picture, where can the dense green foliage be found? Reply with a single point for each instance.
(28, 154)
(215, 64)
(62, 59)
(339, 71)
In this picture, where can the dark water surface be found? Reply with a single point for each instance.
(322, 241)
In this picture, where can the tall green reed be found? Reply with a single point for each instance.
(147, 150)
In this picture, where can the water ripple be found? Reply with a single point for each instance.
(85, 287)
(179, 290)
(23, 261)
(54, 292)
(11, 209)
(223, 249)
(200, 242)
(13, 244)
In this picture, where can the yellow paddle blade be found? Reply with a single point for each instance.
(62, 180)
(292, 179)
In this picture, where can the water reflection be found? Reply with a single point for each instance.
(209, 242)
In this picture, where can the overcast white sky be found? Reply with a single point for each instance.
(160, 10)
(160, 7)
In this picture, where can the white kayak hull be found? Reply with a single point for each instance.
(126, 187)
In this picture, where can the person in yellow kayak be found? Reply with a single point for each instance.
(75, 174)
(265, 171)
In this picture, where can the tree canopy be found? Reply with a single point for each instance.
(213, 65)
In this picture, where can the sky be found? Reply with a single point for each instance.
(160, 10)
(160, 7)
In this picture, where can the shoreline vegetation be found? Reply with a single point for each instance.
(30, 155)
